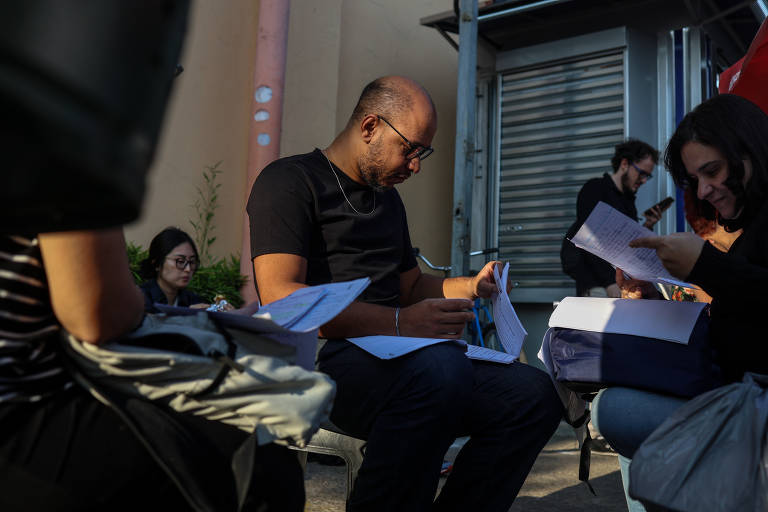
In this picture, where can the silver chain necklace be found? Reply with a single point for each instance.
(330, 165)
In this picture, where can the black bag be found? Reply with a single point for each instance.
(570, 258)
(709, 454)
(586, 361)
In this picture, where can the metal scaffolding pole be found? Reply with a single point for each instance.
(464, 157)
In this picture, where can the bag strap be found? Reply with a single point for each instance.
(227, 360)
(585, 458)
(245, 456)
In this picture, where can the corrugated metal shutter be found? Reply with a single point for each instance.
(559, 124)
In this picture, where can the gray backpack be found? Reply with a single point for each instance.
(195, 366)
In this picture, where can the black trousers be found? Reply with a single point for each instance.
(70, 452)
(410, 409)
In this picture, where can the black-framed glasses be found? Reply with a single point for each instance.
(181, 263)
(414, 150)
(642, 173)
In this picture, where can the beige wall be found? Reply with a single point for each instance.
(335, 47)
(207, 121)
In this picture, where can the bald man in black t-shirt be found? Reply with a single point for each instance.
(333, 215)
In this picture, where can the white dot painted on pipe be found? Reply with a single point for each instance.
(263, 139)
(263, 94)
(261, 115)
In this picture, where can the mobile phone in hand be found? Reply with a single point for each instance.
(663, 205)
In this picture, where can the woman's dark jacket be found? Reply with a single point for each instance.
(154, 294)
(738, 284)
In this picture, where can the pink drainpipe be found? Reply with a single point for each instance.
(266, 111)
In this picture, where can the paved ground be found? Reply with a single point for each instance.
(552, 484)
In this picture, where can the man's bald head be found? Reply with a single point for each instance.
(392, 97)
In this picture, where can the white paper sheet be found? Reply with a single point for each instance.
(305, 344)
(509, 329)
(293, 320)
(487, 354)
(390, 347)
(657, 319)
(607, 232)
(287, 312)
(307, 311)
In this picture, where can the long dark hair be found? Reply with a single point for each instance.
(163, 243)
(739, 130)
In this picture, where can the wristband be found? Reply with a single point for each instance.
(397, 321)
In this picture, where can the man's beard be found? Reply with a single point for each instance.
(626, 186)
(371, 166)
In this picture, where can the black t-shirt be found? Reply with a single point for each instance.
(297, 207)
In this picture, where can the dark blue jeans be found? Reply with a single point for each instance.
(410, 409)
(626, 417)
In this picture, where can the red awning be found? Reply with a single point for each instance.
(749, 76)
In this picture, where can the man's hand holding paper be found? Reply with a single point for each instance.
(483, 284)
(436, 318)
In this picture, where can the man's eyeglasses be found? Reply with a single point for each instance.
(414, 150)
(181, 263)
(642, 173)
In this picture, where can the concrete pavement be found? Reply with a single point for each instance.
(552, 485)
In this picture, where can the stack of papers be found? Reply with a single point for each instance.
(509, 329)
(607, 232)
(293, 320)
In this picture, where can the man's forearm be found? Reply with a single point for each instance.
(361, 319)
(458, 288)
(428, 286)
(430, 318)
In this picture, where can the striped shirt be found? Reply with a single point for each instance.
(30, 366)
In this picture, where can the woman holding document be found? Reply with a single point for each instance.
(720, 151)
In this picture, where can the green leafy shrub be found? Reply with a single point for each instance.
(136, 254)
(221, 277)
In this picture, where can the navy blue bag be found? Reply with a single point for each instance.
(586, 361)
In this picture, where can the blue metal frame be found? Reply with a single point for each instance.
(679, 60)
(475, 328)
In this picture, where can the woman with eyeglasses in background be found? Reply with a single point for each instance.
(172, 262)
